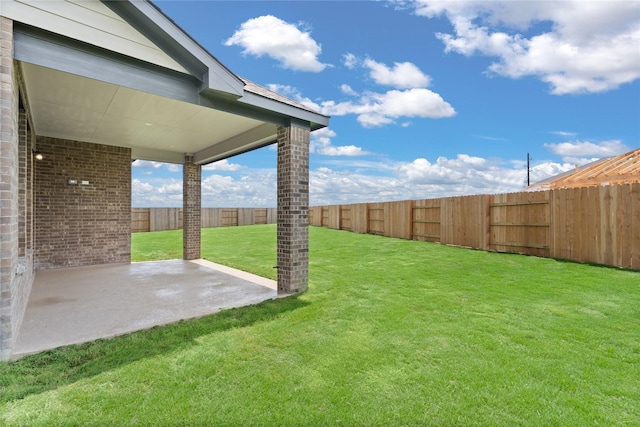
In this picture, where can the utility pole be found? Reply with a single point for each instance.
(528, 169)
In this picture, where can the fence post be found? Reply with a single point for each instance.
(366, 218)
(488, 200)
(412, 204)
(552, 224)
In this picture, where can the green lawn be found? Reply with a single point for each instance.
(391, 332)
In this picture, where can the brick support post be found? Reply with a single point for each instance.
(293, 208)
(191, 208)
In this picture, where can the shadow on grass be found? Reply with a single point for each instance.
(65, 365)
(593, 264)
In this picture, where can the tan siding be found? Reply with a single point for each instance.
(90, 22)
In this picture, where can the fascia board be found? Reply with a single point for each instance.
(49, 50)
(259, 108)
(317, 120)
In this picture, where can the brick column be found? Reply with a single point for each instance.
(293, 208)
(8, 188)
(191, 208)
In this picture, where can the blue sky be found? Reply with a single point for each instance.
(427, 99)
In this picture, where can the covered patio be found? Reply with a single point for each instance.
(75, 305)
(90, 87)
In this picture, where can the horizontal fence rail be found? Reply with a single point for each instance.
(158, 219)
(598, 225)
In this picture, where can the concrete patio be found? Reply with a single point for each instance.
(75, 305)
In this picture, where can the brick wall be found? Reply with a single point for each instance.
(82, 224)
(25, 159)
(8, 189)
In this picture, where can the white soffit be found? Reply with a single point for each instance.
(77, 108)
(91, 22)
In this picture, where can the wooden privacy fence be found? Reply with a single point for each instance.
(592, 224)
(157, 219)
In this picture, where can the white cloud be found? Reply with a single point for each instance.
(295, 49)
(327, 186)
(138, 187)
(348, 90)
(257, 188)
(148, 164)
(378, 109)
(321, 144)
(581, 152)
(342, 150)
(222, 165)
(163, 192)
(563, 133)
(403, 75)
(350, 60)
(421, 179)
(171, 188)
(446, 170)
(548, 169)
(351, 180)
(592, 46)
(410, 99)
(375, 109)
(491, 138)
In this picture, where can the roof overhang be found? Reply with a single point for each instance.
(79, 91)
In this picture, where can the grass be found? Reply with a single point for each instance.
(252, 248)
(391, 332)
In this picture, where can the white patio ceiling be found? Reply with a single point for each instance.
(69, 106)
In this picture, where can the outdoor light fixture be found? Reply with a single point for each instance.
(38, 155)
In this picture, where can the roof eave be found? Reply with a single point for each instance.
(316, 120)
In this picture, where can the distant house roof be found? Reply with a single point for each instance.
(624, 169)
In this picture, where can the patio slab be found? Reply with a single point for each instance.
(76, 305)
